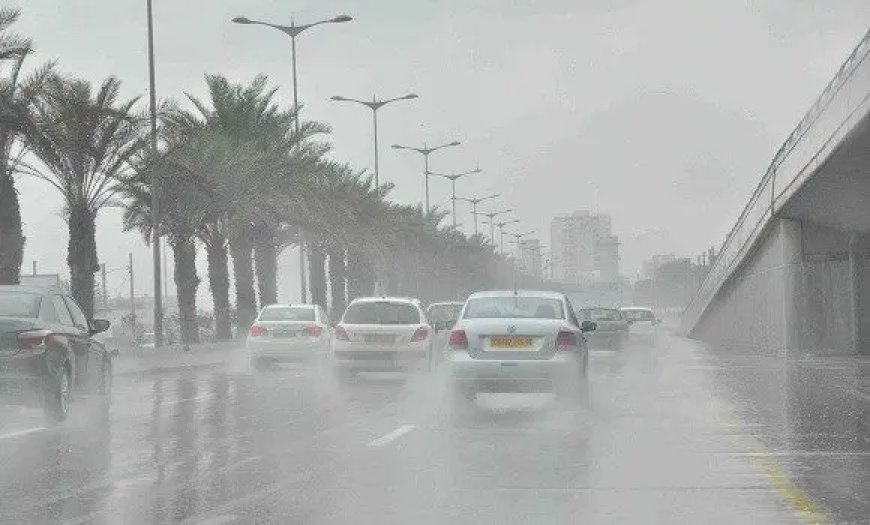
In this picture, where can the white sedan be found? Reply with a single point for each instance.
(643, 323)
(518, 341)
(298, 332)
(382, 333)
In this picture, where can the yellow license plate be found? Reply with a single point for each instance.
(510, 341)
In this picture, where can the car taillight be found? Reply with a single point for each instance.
(257, 330)
(566, 338)
(420, 335)
(341, 333)
(312, 331)
(34, 339)
(458, 339)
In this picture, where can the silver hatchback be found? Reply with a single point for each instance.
(518, 341)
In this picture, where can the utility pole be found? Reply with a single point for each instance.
(132, 299)
(34, 267)
(105, 290)
(155, 187)
(165, 271)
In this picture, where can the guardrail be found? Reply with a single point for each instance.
(840, 106)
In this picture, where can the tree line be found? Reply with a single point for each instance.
(237, 178)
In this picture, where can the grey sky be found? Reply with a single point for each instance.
(662, 113)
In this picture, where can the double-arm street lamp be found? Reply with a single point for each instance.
(519, 237)
(375, 105)
(474, 202)
(426, 151)
(501, 226)
(154, 186)
(453, 177)
(293, 31)
(491, 216)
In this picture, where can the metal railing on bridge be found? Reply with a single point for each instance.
(842, 104)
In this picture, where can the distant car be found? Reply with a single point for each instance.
(518, 341)
(289, 333)
(48, 355)
(643, 323)
(382, 333)
(444, 315)
(611, 327)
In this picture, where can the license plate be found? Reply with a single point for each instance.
(283, 334)
(510, 341)
(379, 339)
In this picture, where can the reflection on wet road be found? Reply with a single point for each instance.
(674, 434)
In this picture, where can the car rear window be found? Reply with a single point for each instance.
(514, 307)
(600, 314)
(381, 313)
(287, 313)
(445, 312)
(638, 315)
(19, 304)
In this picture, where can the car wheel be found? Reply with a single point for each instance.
(342, 374)
(573, 393)
(57, 397)
(462, 398)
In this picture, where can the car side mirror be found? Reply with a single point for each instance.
(98, 326)
(630, 322)
(588, 326)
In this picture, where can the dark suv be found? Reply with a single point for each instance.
(47, 351)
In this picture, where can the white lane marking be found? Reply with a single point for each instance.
(19, 433)
(399, 432)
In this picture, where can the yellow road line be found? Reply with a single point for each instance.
(794, 496)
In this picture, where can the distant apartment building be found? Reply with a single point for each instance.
(530, 259)
(584, 248)
(651, 265)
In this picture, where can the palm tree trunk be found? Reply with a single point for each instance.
(360, 277)
(219, 283)
(317, 273)
(186, 282)
(338, 287)
(266, 259)
(82, 256)
(241, 248)
(11, 234)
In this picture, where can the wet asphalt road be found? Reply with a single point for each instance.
(674, 434)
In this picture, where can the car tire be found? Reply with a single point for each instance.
(57, 397)
(573, 393)
(462, 399)
(342, 374)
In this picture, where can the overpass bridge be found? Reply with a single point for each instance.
(794, 271)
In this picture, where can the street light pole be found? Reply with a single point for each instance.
(375, 105)
(492, 216)
(474, 202)
(293, 31)
(452, 178)
(501, 226)
(426, 151)
(155, 187)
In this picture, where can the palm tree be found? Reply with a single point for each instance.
(17, 94)
(249, 118)
(87, 139)
(186, 206)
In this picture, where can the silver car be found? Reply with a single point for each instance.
(297, 332)
(518, 341)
